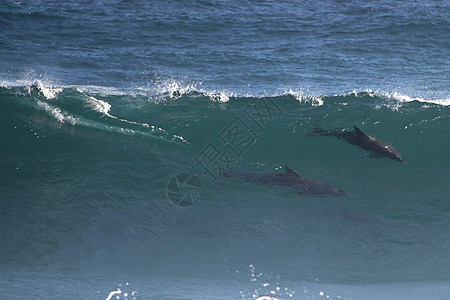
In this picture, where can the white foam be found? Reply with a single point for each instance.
(395, 99)
(48, 91)
(175, 89)
(218, 96)
(302, 98)
(100, 105)
(104, 108)
(112, 293)
(101, 90)
(56, 113)
(356, 93)
(64, 117)
(404, 98)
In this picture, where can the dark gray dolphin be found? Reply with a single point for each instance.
(289, 179)
(374, 145)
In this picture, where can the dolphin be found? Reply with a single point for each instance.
(290, 179)
(376, 146)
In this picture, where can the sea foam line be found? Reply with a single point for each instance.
(64, 117)
(404, 98)
(302, 98)
(104, 108)
(175, 90)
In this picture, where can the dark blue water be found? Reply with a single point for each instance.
(117, 119)
(319, 47)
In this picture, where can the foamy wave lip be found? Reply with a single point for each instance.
(100, 90)
(174, 89)
(396, 99)
(356, 93)
(45, 87)
(404, 98)
(48, 91)
(302, 98)
(219, 96)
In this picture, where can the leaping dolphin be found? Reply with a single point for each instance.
(290, 179)
(374, 145)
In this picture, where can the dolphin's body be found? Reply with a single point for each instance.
(377, 147)
(290, 179)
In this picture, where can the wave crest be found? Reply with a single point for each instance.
(173, 90)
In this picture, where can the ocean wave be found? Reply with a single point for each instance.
(93, 147)
(174, 90)
(68, 105)
(64, 117)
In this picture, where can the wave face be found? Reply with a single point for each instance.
(88, 175)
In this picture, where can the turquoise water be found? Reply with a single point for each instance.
(105, 107)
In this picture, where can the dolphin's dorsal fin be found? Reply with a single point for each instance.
(358, 131)
(290, 172)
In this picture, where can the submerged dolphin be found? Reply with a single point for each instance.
(377, 147)
(290, 179)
